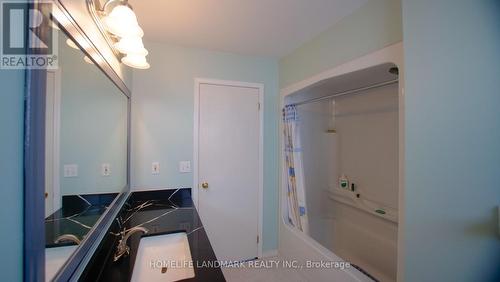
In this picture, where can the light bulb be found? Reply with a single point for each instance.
(131, 45)
(54, 25)
(123, 12)
(88, 60)
(135, 61)
(72, 44)
(122, 22)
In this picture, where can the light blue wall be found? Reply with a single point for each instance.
(162, 117)
(452, 68)
(373, 26)
(11, 168)
(11, 172)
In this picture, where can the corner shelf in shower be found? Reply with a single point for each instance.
(376, 209)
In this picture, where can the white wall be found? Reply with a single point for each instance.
(320, 161)
(367, 129)
(365, 148)
(367, 132)
(162, 117)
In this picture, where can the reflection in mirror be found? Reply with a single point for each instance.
(85, 150)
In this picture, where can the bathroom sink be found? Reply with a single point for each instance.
(55, 258)
(163, 258)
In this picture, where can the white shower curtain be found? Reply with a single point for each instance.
(296, 197)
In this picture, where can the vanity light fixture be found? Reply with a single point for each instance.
(135, 61)
(88, 60)
(131, 45)
(53, 24)
(72, 44)
(123, 30)
(122, 22)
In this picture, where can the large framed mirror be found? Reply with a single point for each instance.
(77, 150)
(85, 150)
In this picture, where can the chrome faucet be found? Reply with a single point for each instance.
(67, 237)
(122, 247)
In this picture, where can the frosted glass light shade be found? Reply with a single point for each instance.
(122, 22)
(131, 45)
(88, 60)
(54, 25)
(135, 61)
(72, 44)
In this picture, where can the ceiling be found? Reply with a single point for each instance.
(251, 27)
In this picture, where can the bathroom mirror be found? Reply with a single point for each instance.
(86, 156)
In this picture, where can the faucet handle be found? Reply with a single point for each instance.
(122, 248)
(67, 237)
(119, 221)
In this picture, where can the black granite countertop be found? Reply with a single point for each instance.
(77, 216)
(161, 212)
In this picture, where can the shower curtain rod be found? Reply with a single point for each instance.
(347, 92)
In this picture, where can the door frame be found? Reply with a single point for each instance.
(196, 184)
(56, 166)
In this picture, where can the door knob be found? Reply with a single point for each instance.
(204, 185)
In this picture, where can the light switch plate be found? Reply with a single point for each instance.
(70, 170)
(184, 166)
(155, 168)
(105, 169)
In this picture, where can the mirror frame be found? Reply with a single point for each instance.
(34, 154)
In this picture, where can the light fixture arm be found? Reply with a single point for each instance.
(110, 4)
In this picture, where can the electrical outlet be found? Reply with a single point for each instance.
(70, 170)
(105, 169)
(155, 168)
(184, 166)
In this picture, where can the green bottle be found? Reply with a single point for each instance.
(344, 182)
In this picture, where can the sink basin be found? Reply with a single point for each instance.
(55, 258)
(163, 258)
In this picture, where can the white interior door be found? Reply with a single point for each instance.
(228, 163)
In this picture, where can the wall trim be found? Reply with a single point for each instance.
(56, 193)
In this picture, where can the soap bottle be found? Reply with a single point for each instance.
(344, 182)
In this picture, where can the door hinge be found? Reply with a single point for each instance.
(257, 239)
(258, 106)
